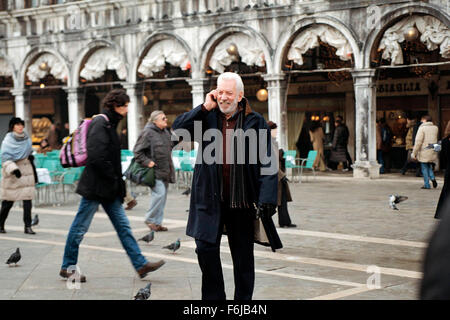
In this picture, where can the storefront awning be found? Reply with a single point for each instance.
(309, 39)
(161, 52)
(434, 33)
(249, 51)
(54, 66)
(101, 60)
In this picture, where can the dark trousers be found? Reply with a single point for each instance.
(240, 231)
(6, 207)
(349, 159)
(283, 213)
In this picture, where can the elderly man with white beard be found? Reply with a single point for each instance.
(229, 195)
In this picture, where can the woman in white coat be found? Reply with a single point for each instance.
(18, 178)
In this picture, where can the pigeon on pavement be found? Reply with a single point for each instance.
(173, 246)
(148, 237)
(14, 258)
(35, 221)
(143, 293)
(394, 199)
(187, 192)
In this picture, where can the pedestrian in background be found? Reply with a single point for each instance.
(65, 131)
(18, 178)
(426, 135)
(409, 144)
(44, 147)
(386, 145)
(154, 149)
(303, 143)
(380, 159)
(317, 135)
(339, 145)
(445, 152)
(124, 139)
(101, 183)
(347, 133)
(54, 137)
(284, 194)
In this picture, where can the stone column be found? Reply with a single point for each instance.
(176, 9)
(75, 102)
(365, 165)
(198, 91)
(201, 6)
(135, 116)
(350, 121)
(23, 107)
(276, 87)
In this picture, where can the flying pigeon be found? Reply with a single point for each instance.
(173, 246)
(14, 258)
(35, 221)
(394, 199)
(148, 237)
(143, 293)
(187, 192)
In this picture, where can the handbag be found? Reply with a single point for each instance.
(140, 175)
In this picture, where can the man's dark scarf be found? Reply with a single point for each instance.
(239, 197)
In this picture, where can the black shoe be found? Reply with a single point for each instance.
(423, 187)
(403, 172)
(291, 226)
(28, 230)
(434, 183)
(2, 230)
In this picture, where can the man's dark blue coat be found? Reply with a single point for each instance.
(204, 210)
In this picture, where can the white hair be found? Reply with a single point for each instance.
(232, 76)
(154, 115)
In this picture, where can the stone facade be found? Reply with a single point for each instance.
(74, 30)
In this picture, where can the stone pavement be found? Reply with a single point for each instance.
(344, 227)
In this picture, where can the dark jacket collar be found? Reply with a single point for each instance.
(113, 117)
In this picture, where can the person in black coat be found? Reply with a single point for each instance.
(347, 134)
(445, 156)
(225, 193)
(101, 183)
(339, 146)
(284, 194)
(303, 143)
(435, 283)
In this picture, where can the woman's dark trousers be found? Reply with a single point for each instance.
(283, 214)
(6, 207)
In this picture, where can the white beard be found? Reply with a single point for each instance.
(231, 107)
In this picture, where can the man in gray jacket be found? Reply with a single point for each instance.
(154, 149)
